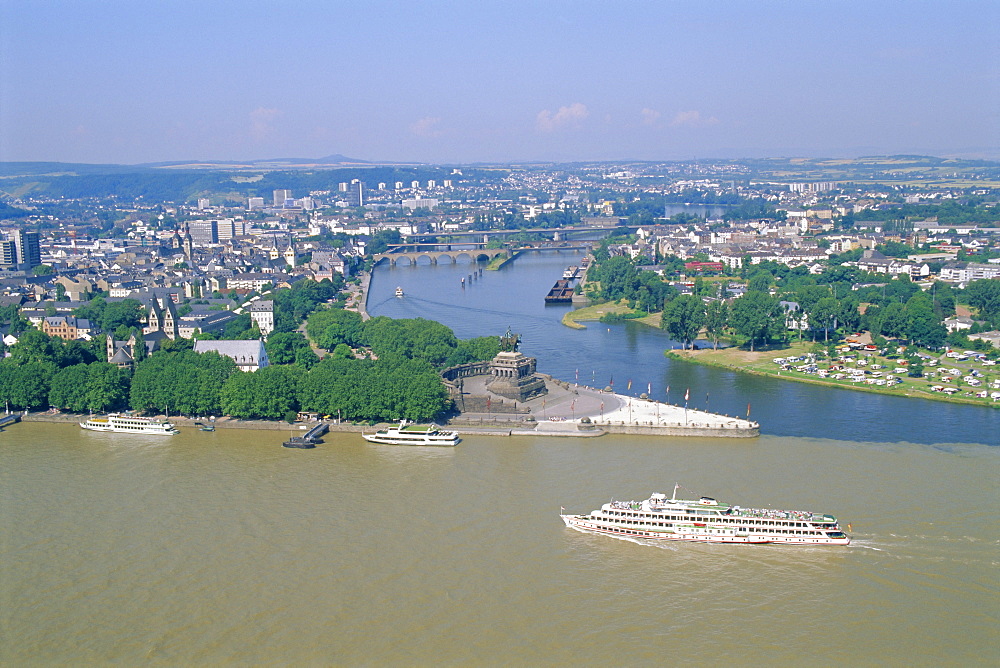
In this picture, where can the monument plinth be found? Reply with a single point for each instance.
(513, 376)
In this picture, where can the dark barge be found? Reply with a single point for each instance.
(561, 292)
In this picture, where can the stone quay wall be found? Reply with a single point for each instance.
(721, 431)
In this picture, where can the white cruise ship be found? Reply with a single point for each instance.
(708, 520)
(129, 424)
(411, 434)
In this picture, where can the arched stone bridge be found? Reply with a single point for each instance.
(475, 255)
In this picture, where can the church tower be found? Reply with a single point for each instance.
(289, 253)
(188, 244)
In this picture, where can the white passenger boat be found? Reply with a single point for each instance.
(399, 292)
(411, 434)
(129, 424)
(708, 520)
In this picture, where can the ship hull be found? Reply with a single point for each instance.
(129, 425)
(681, 534)
(390, 440)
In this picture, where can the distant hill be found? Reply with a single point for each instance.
(185, 182)
(7, 212)
(64, 168)
(330, 161)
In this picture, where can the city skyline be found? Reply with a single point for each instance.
(514, 82)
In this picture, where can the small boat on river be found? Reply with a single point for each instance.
(399, 291)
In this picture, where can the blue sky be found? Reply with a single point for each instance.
(472, 81)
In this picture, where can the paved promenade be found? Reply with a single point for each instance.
(568, 403)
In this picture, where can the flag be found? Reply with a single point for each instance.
(668, 391)
(489, 401)
(572, 405)
(649, 388)
(602, 406)
(629, 386)
(748, 409)
(612, 382)
(687, 394)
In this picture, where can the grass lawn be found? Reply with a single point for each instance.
(762, 362)
(593, 313)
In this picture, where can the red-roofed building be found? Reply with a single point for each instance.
(698, 267)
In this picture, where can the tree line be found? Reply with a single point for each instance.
(401, 380)
(382, 369)
(779, 301)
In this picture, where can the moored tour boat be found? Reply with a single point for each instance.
(129, 424)
(411, 434)
(708, 520)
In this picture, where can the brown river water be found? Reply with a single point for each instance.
(225, 548)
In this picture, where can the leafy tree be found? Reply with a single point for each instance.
(943, 298)
(306, 358)
(36, 346)
(126, 313)
(268, 393)
(180, 382)
(415, 338)
(342, 351)
(11, 315)
(923, 326)
(25, 385)
(757, 316)
(386, 389)
(241, 328)
(716, 320)
(900, 289)
(848, 315)
(481, 348)
(683, 318)
(617, 276)
(760, 281)
(330, 327)
(984, 295)
(806, 296)
(107, 387)
(68, 389)
(381, 241)
(824, 316)
(282, 347)
(892, 321)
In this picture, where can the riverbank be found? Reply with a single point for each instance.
(761, 362)
(595, 312)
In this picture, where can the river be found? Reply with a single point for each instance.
(225, 548)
